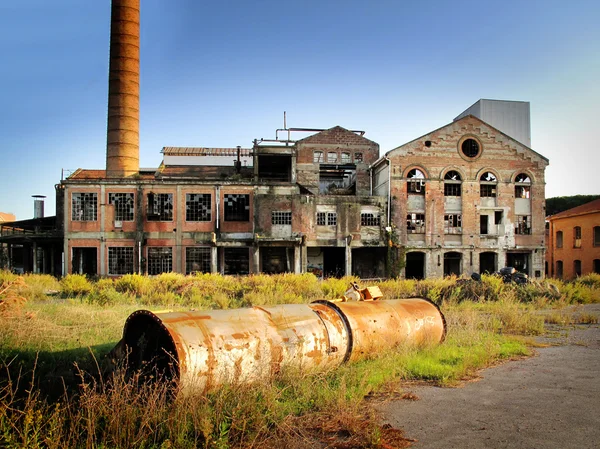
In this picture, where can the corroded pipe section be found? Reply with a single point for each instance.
(202, 350)
(122, 137)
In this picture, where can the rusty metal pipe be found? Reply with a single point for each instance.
(202, 350)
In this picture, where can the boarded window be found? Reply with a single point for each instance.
(197, 260)
(453, 224)
(415, 223)
(370, 219)
(160, 207)
(124, 205)
(281, 217)
(84, 206)
(198, 207)
(237, 207)
(523, 225)
(120, 260)
(160, 260)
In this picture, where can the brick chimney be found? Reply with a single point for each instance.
(122, 137)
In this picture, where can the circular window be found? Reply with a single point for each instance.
(470, 148)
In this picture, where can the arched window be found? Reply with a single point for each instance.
(559, 269)
(452, 183)
(318, 157)
(488, 185)
(559, 239)
(577, 237)
(332, 157)
(522, 186)
(416, 182)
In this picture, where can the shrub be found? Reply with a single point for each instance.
(135, 284)
(75, 285)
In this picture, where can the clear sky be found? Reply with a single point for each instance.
(221, 73)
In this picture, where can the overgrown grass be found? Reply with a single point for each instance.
(48, 401)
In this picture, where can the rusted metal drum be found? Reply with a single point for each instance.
(201, 350)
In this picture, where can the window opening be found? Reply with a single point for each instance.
(346, 159)
(160, 260)
(523, 178)
(326, 218)
(522, 192)
(498, 217)
(124, 205)
(470, 148)
(237, 207)
(281, 218)
(452, 183)
(416, 182)
(415, 223)
(523, 225)
(84, 206)
(120, 260)
(577, 237)
(197, 260)
(596, 266)
(577, 267)
(488, 185)
(332, 158)
(318, 157)
(559, 269)
(483, 224)
(321, 218)
(596, 235)
(358, 157)
(236, 260)
(331, 219)
(370, 219)
(453, 224)
(198, 207)
(160, 207)
(559, 239)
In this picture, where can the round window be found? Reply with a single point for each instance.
(470, 148)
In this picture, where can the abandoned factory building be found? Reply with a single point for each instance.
(467, 197)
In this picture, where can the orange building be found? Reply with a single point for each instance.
(574, 242)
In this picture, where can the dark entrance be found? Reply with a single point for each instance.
(452, 262)
(276, 259)
(334, 262)
(236, 261)
(415, 265)
(597, 266)
(488, 262)
(85, 261)
(520, 261)
(369, 263)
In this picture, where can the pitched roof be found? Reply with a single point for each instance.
(587, 208)
(337, 134)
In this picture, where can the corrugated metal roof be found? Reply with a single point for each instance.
(200, 151)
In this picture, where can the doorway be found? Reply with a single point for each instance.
(520, 261)
(85, 261)
(488, 263)
(452, 263)
(415, 265)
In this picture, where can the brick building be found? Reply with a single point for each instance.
(466, 198)
(574, 241)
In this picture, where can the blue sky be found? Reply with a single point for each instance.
(220, 74)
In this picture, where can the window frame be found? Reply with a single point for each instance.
(369, 218)
(121, 202)
(205, 265)
(577, 237)
(113, 259)
(163, 202)
(415, 182)
(193, 209)
(415, 223)
(154, 254)
(452, 224)
(559, 237)
(84, 206)
(236, 216)
(523, 226)
(281, 218)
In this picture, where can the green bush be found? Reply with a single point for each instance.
(75, 285)
(134, 284)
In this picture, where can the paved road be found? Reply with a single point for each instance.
(549, 401)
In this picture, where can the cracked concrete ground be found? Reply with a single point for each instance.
(551, 400)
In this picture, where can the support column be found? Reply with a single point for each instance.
(348, 261)
(297, 259)
(255, 259)
(180, 208)
(35, 267)
(214, 268)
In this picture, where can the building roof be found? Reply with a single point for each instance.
(337, 134)
(4, 217)
(200, 151)
(587, 208)
(86, 174)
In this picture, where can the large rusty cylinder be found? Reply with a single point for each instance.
(202, 350)
(122, 142)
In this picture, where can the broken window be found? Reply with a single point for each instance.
(522, 186)
(318, 157)
(197, 260)
(370, 219)
(523, 178)
(346, 159)
(596, 235)
(160, 260)
(237, 207)
(522, 191)
(332, 158)
(84, 206)
(577, 237)
(326, 218)
(358, 158)
(559, 239)
(452, 183)
(124, 205)
(160, 207)
(281, 217)
(198, 207)
(488, 185)
(577, 267)
(416, 182)
(470, 148)
(523, 225)
(120, 260)
(236, 260)
(453, 224)
(415, 223)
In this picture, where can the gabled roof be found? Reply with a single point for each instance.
(587, 208)
(337, 134)
(479, 120)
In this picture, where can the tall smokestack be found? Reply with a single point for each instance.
(122, 137)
